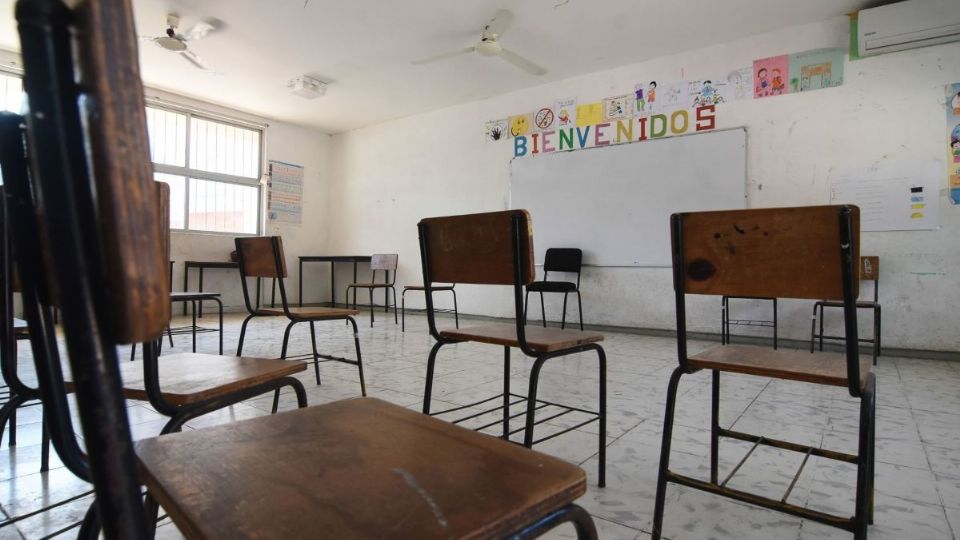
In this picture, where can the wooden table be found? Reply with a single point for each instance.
(333, 260)
(357, 468)
(201, 265)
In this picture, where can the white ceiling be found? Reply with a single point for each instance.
(364, 47)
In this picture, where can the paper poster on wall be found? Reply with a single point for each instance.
(891, 197)
(618, 107)
(589, 114)
(672, 95)
(816, 69)
(706, 92)
(770, 76)
(645, 98)
(566, 111)
(521, 124)
(285, 192)
(544, 119)
(495, 130)
(739, 84)
(953, 138)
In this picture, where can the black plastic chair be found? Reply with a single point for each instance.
(568, 260)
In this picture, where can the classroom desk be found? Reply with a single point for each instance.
(201, 265)
(333, 260)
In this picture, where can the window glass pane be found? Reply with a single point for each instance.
(168, 137)
(178, 198)
(11, 93)
(222, 148)
(223, 207)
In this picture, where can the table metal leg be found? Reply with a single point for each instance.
(301, 284)
(333, 284)
(200, 289)
(355, 280)
(186, 283)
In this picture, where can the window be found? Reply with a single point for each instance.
(11, 93)
(212, 167)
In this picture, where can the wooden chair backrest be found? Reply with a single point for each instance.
(478, 248)
(769, 252)
(869, 267)
(138, 296)
(384, 261)
(258, 259)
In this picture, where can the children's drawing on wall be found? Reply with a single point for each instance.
(496, 130)
(544, 118)
(566, 111)
(670, 96)
(645, 98)
(953, 141)
(589, 114)
(739, 84)
(816, 69)
(618, 107)
(520, 124)
(769, 76)
(705, 92)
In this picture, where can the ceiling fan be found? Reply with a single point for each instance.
(489, 45)
(176, 42)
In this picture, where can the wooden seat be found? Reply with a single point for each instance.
(827, 368)
(188, 378)
(539, 339)
(404, 475)
(309, 313)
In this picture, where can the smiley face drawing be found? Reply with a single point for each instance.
(520, 124)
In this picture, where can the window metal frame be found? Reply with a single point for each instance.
(187, 172)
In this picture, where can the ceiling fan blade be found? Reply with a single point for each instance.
(194, 59)
(501, 22)
(527, 65)
(203, 28)
(444, 56)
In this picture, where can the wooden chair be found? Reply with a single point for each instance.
(869, 271)
(410, 465)
(439, 288)
(263, 256)
(566, 260)
(497, 249)
(742, 252)
(386, 263)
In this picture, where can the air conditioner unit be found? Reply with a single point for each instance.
(907, 25)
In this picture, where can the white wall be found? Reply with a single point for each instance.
(283, 142)
(386, 177)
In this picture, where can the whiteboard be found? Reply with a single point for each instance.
(614, 202)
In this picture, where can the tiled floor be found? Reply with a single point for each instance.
(918, 433)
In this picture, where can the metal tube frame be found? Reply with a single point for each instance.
(865, 457)
(539, 359)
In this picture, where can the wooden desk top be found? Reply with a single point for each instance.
(357, 468)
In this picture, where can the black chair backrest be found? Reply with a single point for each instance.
(563, 260)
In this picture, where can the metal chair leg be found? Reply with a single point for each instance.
(813, 328)
(456, 313)
(573, 514)
(286, 339)
(775, 324)
(563, 317)
(665, 454)
(45, 448)
(715, 428)
(8, 413)
(356, 343)
(864, 459)
(723, 320)
(543, 311)
(276, 401)
(526, 302)
(403, 311)
(876, 334)
(372, 309)
(243, 331)
(394, 290)
(532, 401)
(506, 393)
(90, 526)
(821, 327)
(428, 384)
(580, 309)
(193, 328)
(602, 452)
(316, 355)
